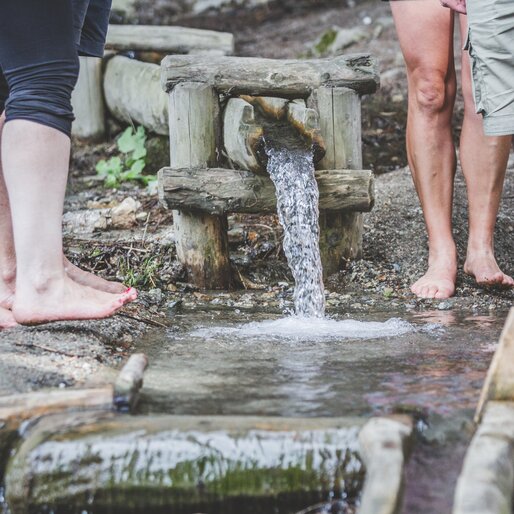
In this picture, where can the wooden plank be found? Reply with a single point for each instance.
(340, 117)
(201, 239)
(499, 383)
(129, 382)
(220, 191)
(261, 77)
(88, 101)
(176, 40)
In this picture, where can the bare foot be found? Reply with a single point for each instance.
(88, 279)
(482, 266)
(63, 299)
(6, 319)
(439, 281)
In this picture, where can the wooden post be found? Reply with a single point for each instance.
(340, 117)
(202, 240)
(88, 100)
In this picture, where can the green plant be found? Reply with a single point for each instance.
(129, 165)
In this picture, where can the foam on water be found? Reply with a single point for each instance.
(295, 328)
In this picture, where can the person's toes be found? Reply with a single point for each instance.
(490, 278)
(7, 319)
(432, 291)
(508, 281)
(443, 293)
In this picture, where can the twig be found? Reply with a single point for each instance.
(46, 349)
(148, 321)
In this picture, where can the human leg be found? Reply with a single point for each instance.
(484, 162)
(7, 255)
(428, 51)
(35, 156)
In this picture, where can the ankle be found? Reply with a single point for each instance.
(39, 283)
(8, 275)
(446, 252)
(480, 247)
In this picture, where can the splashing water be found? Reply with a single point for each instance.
(292, 173)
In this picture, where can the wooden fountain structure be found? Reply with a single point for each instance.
(214, 160)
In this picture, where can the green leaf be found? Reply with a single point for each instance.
(138, 166)
(102, 167)
(127, 141)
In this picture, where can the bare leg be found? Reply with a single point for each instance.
(484, 162)
(7, 257)
(428, 51)
(35, 160)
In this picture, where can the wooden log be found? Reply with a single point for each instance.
(340, 117)
(242, 135)
(175, 40)
(129, 383)
(88, 101)
(133, 93)
(19, 408)
(306, 122)
(219, 191)
(202, 240)
(270, 77)
(486, 483)
(176, 464)
(385, 444)
(499, 382)
(271, 106)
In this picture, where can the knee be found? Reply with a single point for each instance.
(42, 94)
(434, 92)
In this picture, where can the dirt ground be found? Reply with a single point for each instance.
(395, 249)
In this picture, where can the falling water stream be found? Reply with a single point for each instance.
(298, 212)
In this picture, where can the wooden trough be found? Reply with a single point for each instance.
(318, 97)
(128, 88)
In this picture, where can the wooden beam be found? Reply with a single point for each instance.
(220, 191)
(176, 40)
(261, 77)
(499, 383)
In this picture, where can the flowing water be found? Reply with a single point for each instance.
(292, 173)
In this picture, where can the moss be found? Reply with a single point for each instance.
(325, 41)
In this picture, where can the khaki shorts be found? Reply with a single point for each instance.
(491, 49)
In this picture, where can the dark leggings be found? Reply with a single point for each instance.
(40, 41)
